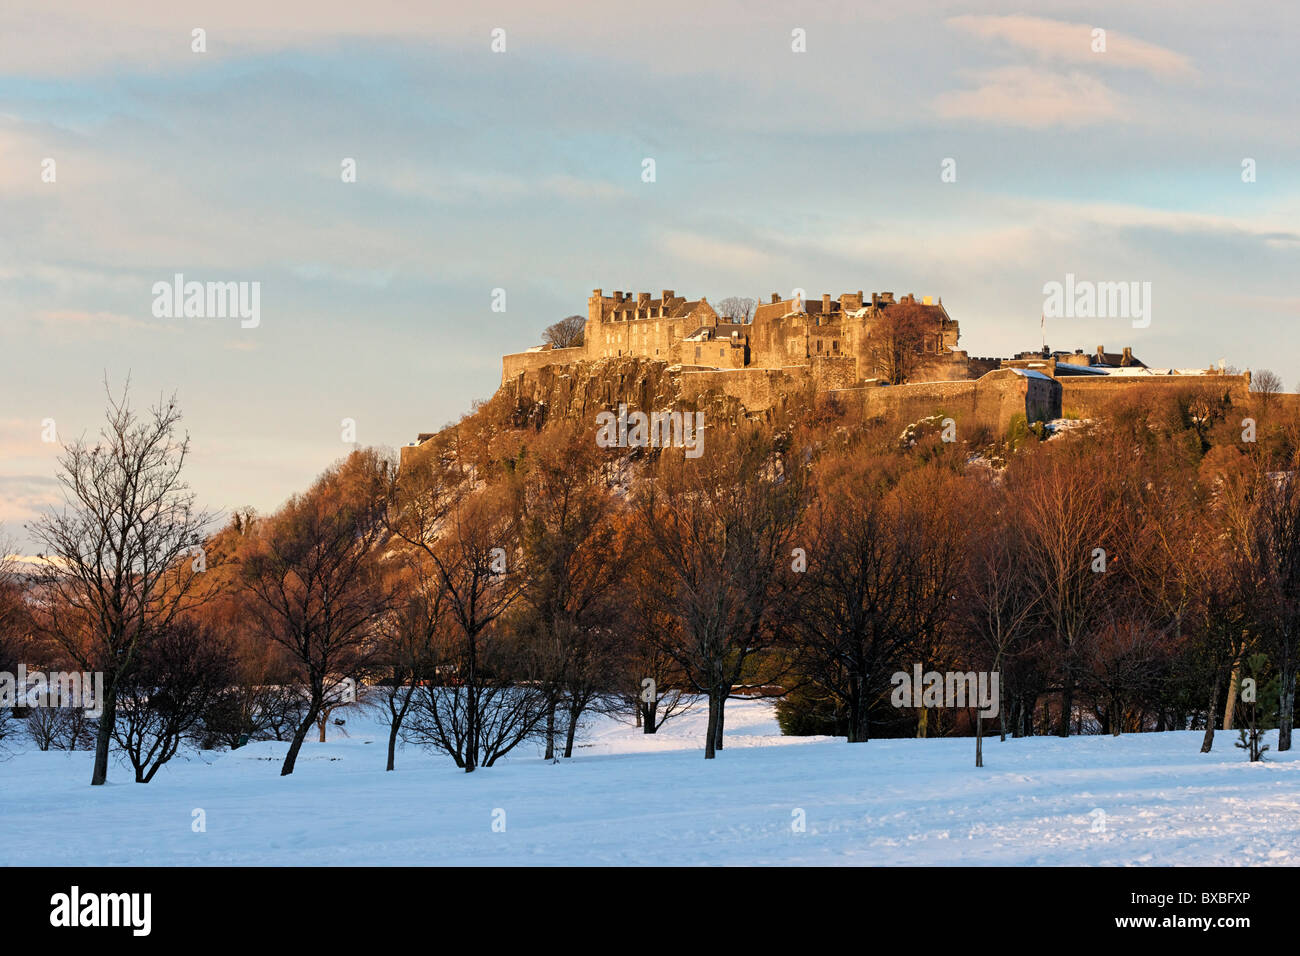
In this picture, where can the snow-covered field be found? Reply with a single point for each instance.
(630, 799)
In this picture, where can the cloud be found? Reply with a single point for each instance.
(1271, 230)
(25, 497)
(87, 36)
(81, 322)
(477, 186)
(20, 438)
(1034, 98)
(991, 242)
(1056, 41)
(1057, 90)
(716, 253)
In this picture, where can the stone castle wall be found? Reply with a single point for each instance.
(516, 362)
(992, 401)
(1089, 396)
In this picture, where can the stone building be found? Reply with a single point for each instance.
(668, 328)
(782, 333)
(894, 356)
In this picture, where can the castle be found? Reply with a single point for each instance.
(894, 356)
(782, 333)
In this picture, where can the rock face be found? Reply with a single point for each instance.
(580, 390)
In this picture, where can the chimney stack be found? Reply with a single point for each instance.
(776, 297)
(667, 294)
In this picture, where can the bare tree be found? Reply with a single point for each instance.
(651, 683)
(857, 615)
(1121, 664)
(723, 527)
(312, 581)
(999, 602)
(735, 308)
(60, 728)
(486, 702)
(577, 559)
(11, 612)
(1265, 385)
(117, 555)
(409, 635)
(566, 333)
(1066, 528)
(180, 674)
(1277, 550)
(896, 339)
(262, 701)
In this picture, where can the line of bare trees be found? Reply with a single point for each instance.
(498, 588)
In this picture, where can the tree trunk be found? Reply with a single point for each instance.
(711, 734)
(1002, 713)
(649, 712)
(1286, 708)
(857, 712)
(299, 736)
(574, 713)
(550, 731)
(722, 708)
(392, 744)
(1207, 743)
(979, 739)
(471, 711)
(1234, 681)
(860, 731)
(104, 737)
(1067, 706)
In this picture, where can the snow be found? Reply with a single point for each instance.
(628, 798)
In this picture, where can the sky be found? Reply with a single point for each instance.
(521, 169)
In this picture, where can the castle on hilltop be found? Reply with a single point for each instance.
(894, 356)
(869, 335)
